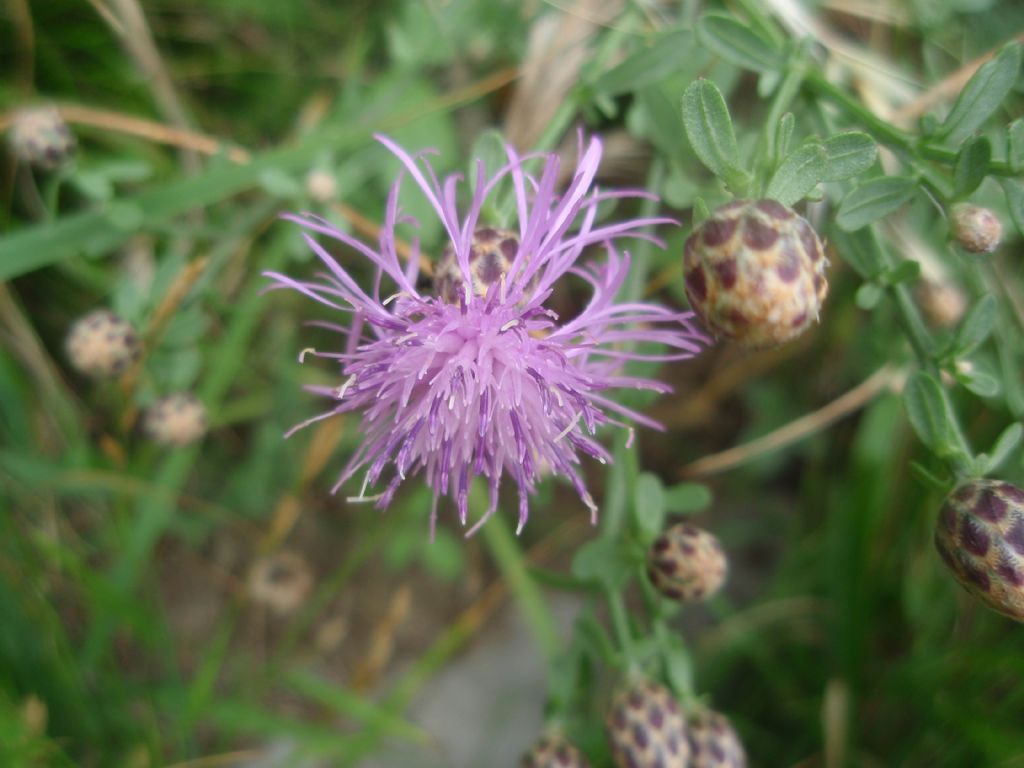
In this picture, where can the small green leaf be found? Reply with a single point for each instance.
(848, 154)
(709, 129)
(1014, 191)
(700, 212)
(868, 296)
(684, 498)
(784, 134)
(971, 166)
(976, 326)
(648, 65)
(798, 174)
(982, 95)
(1005, 445)
(737, 43)
(932, 418)
(874, 200)
(1015, 145)
(907, 271)
(602, 561)
(922, 398)
(650, 505)
(980, 383)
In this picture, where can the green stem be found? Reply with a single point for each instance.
(890, 134)
(504, 548)
(620, 623)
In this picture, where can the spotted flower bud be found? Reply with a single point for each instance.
(646, 728)
(714, 742)
(755, 273)
(176, 420)
(686, 563)
(40, 137)
(490, 258)
(554, 751)
(281, 582)
(980, 536)
(975, 229)
(102, 345)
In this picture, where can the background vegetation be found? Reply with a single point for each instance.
(133, 627)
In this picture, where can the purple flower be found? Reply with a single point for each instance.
(489, 381)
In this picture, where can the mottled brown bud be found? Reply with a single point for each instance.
(975, 229)
(40, 137)
(755, 273)
(980, 536)
(490, 258)
(553, 751)
(176, 420)
(686, 563)
(714, 743)
(646, 728)
(102, 345)
(282, 581)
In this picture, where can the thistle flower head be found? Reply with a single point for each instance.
(489, 382)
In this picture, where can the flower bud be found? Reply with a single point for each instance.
(714, 743)
(102, 345)
(176, 420)
(755, 273)
(282, 581)
(321, 185)
(975, 229)
(943, 302)
(646, 728)
(490, 258)
(980, 536)
(554, 751)
(686, 563)
(40, 137)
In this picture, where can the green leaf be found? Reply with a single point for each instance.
(874, 200)
(923, 399)
(701, 213)
(1015, 145)
(971, 166)
(847, 155)
(784, 134)
(602, 561)
(685, 498)
(737, 43)
(649, 499)
(907, 271)
(709, 129)
(649, 65)
(980, 383)
(932, 417)
(1005, 445)
(868, 296)
(982, 95)
(798, 174)
(1014, 191)
(976, 326)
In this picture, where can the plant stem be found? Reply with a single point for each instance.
(504, 548)
(620, 622)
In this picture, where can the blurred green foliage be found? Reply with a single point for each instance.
(843, 643)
